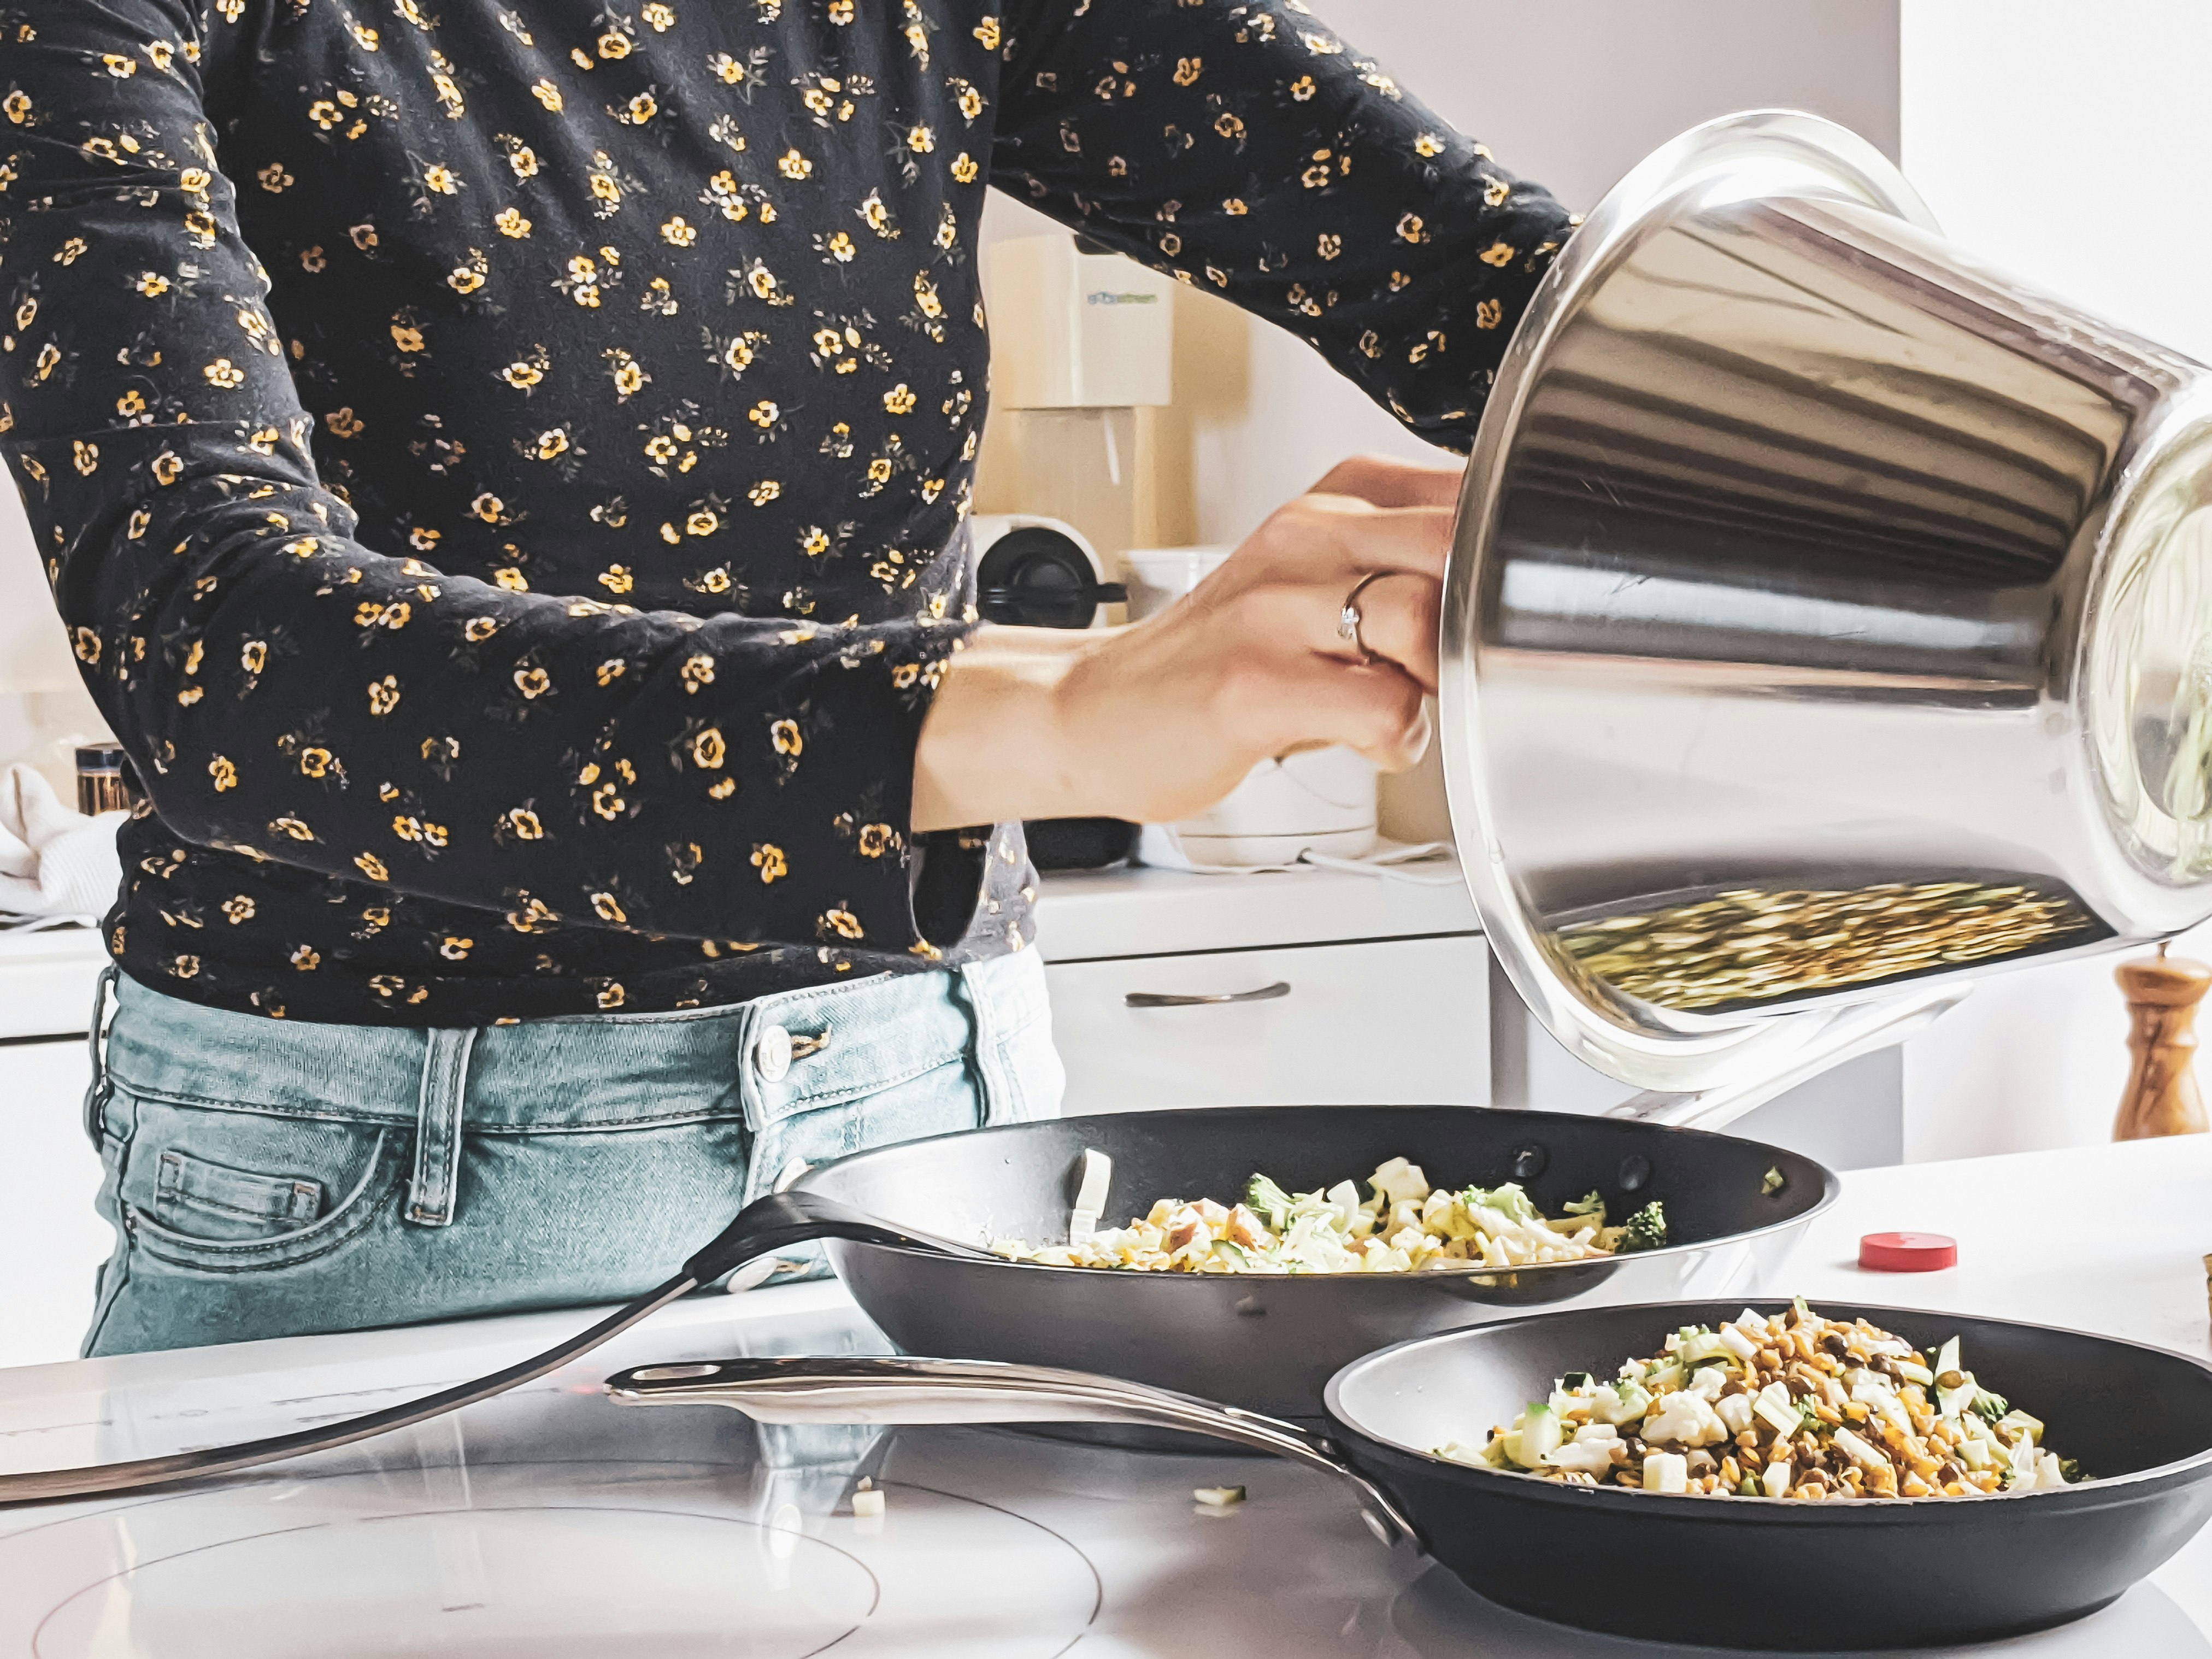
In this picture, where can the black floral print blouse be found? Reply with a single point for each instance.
(497, 459)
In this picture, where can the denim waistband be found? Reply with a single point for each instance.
(583, 1072)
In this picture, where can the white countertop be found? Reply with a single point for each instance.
(553, 1522)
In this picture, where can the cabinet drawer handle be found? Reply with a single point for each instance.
(1281, 988)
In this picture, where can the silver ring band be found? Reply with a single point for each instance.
(1349, 617)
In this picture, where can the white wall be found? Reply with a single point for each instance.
(1571, 94)
(2068, 143)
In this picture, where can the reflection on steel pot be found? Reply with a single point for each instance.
(1828, 611)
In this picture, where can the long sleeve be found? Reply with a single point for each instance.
(290, 694)
(1245, 147)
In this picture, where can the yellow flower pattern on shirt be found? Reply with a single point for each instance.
(497, 461)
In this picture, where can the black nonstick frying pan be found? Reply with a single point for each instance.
(1270, 1343)
(906, 1224)
(1750, 1573)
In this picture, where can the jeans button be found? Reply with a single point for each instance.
(772, 1053)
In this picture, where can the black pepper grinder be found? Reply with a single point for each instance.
(2162, 1097)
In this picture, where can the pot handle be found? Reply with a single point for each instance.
(886, 1389)
(1846, 1034)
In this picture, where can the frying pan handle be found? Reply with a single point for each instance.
(776, 1221)
(882, 1389)
(1846, 1034)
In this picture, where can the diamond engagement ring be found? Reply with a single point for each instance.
(1349, 618)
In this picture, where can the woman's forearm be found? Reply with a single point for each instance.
(995, 747)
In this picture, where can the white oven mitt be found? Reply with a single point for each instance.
(54, 861)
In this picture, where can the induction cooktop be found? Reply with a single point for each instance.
(549, 1523)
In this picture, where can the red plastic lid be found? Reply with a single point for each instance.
(1908, 1252)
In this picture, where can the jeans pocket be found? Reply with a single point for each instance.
(200, 1199)
(238, 1192)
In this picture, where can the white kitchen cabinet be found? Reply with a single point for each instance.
(51, 1241)
(1403, 1021)
(47, 980)
(1089, 915)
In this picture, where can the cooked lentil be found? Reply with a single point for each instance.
(1752, 945)
(1797, 1407)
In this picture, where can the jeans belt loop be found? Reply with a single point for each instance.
(431, 1190)
(95, 1093)
(988, 1056)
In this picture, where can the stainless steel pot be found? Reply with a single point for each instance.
(1828, 612)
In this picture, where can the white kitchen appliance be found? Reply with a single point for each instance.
(1081, 341)
(1320, 800)
(1076, 325)
(1037, 572)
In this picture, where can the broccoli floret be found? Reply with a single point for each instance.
(1646, 1229)
(1989, 1406)
(1592, 1204)
(1508, 1200)
(1268, 1200)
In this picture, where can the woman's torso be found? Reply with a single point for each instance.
(672, 307)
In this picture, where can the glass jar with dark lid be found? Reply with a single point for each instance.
(105, 782)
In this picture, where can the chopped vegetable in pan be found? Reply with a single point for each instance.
(1800, 1406)
(1404, 1225)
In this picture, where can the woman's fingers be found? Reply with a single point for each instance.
(1398, 615)
(1294, 578)
(1302, 701)
(1391, 726)
(1322, 538)
(1398, 612)
(1382, 481)
(1412, 742)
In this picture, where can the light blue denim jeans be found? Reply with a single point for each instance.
(270, 1178)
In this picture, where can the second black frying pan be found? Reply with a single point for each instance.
(1744, 1573)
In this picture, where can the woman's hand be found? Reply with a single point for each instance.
(1157, 721)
